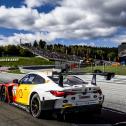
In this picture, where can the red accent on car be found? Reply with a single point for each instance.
(61, 93)
(58, 93)
(8, 91)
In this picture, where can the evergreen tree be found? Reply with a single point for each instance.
(35, 44)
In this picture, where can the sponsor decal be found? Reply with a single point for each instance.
(20, 93)
(67, 105)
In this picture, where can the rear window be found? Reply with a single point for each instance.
(73, 80)
(70, 80)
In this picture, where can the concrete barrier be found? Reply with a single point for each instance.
(42, 68)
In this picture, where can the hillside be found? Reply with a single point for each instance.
(24, 61)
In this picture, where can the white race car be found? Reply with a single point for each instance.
(41, 93)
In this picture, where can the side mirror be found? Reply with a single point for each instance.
(15, 81)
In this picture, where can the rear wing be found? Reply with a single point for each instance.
(107, 75)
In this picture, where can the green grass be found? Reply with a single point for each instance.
(120, 70)
(25, 61)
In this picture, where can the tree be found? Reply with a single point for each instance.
(2, 51)
(25, 53)
(35, 44)
(42, 44)
(11, 50)
(111, 56)
(100, 54)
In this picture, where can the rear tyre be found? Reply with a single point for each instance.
(35, 106)
(3, 94)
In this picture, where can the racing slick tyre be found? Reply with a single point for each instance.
(35, 106)
(3, 94)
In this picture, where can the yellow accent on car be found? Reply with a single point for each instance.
(67, 105)
(23, 93)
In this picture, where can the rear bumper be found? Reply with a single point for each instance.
(50, 105)
(76, 109)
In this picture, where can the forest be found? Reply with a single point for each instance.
(103, 53)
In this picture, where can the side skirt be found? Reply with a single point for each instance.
(24, 107)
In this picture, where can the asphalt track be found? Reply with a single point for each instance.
(13, 116)
(114, 109)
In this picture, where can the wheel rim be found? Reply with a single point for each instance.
(35, 107)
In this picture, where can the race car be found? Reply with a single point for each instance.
(59, 94)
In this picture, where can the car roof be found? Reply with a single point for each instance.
(40, 73)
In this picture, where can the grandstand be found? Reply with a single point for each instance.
(55, 56)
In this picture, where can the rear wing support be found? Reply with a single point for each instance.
(61, 80)
(93, 79)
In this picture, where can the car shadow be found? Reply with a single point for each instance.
(108, 116)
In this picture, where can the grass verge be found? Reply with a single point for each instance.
(25, 61)
(120, 70)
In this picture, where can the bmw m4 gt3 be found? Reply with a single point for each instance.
(40, 93)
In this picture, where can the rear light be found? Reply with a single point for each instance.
(61, 93)
(58, 93)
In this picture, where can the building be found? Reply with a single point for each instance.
(122, 53)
